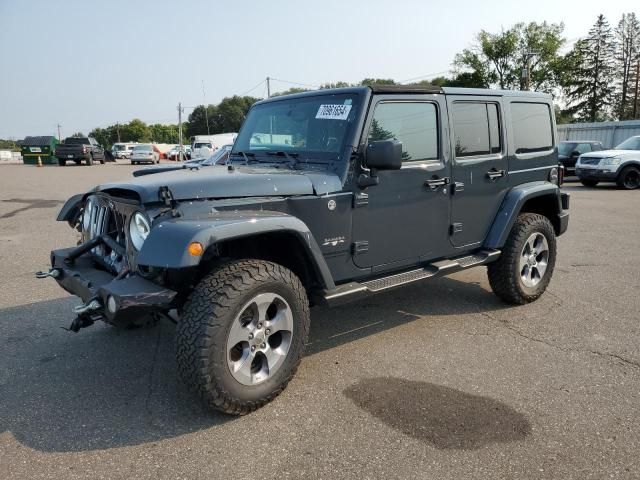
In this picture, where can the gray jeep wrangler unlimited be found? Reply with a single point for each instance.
(328, 196)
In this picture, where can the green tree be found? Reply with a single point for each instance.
(627, 35)
(290, 91)
(498, 59)
(589, 71)
(227, 116)
(377, 81)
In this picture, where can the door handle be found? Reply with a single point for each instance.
(437, 182)
(494, 174)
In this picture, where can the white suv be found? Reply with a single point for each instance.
(620, 165)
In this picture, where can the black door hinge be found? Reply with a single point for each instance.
(456, 228)
(361, 246)
(360, 199)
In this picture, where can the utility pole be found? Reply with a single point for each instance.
(118, 130)
(526, 70)
(635, 100)
(180, 110)
(206, 113)
(268, 87)
(60, 138)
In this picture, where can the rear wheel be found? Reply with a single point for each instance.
(62, 162)
(629, 178)
(242, 333)
(524, 269)
(90, 160)
(589, 183)
(78, 162)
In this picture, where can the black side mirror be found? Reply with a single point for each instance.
(384, 155)
(575, 153)
(380, 155)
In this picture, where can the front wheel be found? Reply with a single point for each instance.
(90, 160)
(524, 269)
(242, 333)
(629, 178)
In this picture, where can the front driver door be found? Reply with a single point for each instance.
(404, 219)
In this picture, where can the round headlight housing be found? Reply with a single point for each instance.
(139, 229)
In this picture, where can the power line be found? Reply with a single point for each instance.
(294, 83)
(253, 88)
(428, 75)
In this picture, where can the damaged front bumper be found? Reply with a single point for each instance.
(105, 296)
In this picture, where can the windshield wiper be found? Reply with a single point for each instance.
(292, 157)
(244, 155)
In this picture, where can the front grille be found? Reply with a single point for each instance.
(590, 161)
(103, 218)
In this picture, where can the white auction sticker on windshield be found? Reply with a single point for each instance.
(333, 112)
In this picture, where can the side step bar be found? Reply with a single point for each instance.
(354, 290)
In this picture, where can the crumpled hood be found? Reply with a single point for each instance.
(612, 153)
(220, 182)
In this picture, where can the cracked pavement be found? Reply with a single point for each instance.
(436, 380)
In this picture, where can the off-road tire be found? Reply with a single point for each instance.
(589, 183)
(629, 178)
(504, 274)
(78, 162)
(206, 320)
(62, 162)
(102, 160)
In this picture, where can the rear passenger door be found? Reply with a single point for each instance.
(479, 172)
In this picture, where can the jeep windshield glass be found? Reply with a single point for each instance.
(632, 143)
(566, 149)
(309, 128)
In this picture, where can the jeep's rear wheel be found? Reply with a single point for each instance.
(629, 178)
(524, 269)
(242, 334)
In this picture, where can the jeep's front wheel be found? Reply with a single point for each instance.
(524, 269)
(241, 335)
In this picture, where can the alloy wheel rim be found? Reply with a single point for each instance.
(632, 180)
(534, 260)
(259, 339)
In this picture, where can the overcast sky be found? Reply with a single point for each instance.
(92, 63)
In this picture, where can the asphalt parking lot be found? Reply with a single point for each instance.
(437, 380)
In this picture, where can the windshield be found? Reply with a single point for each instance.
(312, 127)
(632, 143)
(118, 148)
(142, 148)
(566, 148)
(200, 145)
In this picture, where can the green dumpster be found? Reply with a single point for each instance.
(43, 147)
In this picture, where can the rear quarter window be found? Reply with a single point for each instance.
(532, 127)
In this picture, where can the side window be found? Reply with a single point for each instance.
(531, 127)
(415, 124)
(476, 129)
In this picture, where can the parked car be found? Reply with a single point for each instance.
(620, 164)
(78, 150)
(346, 201)
(173, 153)
(569, 151)
(144, 153)
(122, 150)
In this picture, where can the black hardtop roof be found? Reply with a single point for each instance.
(411, 89)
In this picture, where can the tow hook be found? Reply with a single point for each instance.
(89, 307)
(53, 273)
(84, 318)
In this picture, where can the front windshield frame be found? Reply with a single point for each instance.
(634, 141)
(310, 106)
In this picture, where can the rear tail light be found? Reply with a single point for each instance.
(84, 149)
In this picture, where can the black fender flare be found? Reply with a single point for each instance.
(511, 207)
(70, 210)
(167, 243)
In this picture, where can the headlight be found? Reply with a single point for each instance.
(139, 229)
(610, 161)
(86, 215)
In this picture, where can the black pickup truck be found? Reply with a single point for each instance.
(78, 150)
